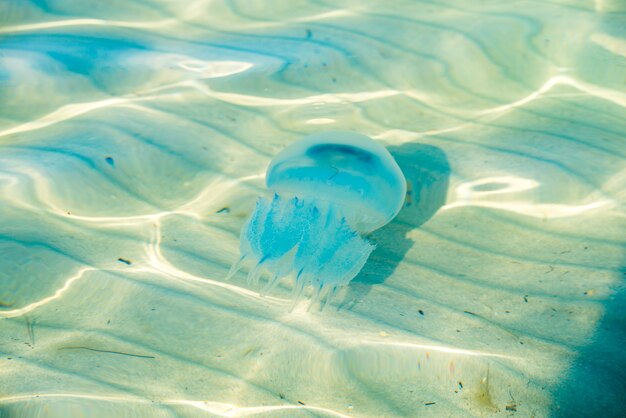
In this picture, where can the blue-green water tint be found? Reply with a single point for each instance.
(497, 290)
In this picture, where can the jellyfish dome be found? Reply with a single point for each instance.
(328, 189)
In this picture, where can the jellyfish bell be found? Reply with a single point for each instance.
(347, 169)
(329, 188)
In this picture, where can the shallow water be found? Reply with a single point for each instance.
(134, 138)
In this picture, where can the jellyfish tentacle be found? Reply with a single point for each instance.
(270, 285)
(255, 272)
(297, 293)
(316, 296)
(235, 267)
(325, 290)
(310, 237)
(329, 297)
(281, 267)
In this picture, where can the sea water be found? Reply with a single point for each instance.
(134, 138)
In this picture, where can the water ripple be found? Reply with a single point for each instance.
(134, 140)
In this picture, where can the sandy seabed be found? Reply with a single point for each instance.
(134, 136)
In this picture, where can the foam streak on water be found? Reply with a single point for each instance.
(133, 138)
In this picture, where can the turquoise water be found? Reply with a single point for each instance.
(134, 139)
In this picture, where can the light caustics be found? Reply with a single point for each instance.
(30, 27)
(505, 193)
(157, 263)
(613, 96)
(57, 295)
(69, 111)
(179, 93)
(610, 43)
(220, 69)
(154, 261)
(200, 69)
(220, 409)
(399, 136)
(439, 348)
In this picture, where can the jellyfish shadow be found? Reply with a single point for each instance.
(427, 173)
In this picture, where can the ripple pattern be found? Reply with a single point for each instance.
(133, 140)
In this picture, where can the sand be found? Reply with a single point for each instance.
(134, 137)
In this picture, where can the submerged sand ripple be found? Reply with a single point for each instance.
(134, 138)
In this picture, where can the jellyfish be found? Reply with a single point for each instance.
(328, 191)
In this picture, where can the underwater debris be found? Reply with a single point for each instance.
(106, 351)
(125, 261)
